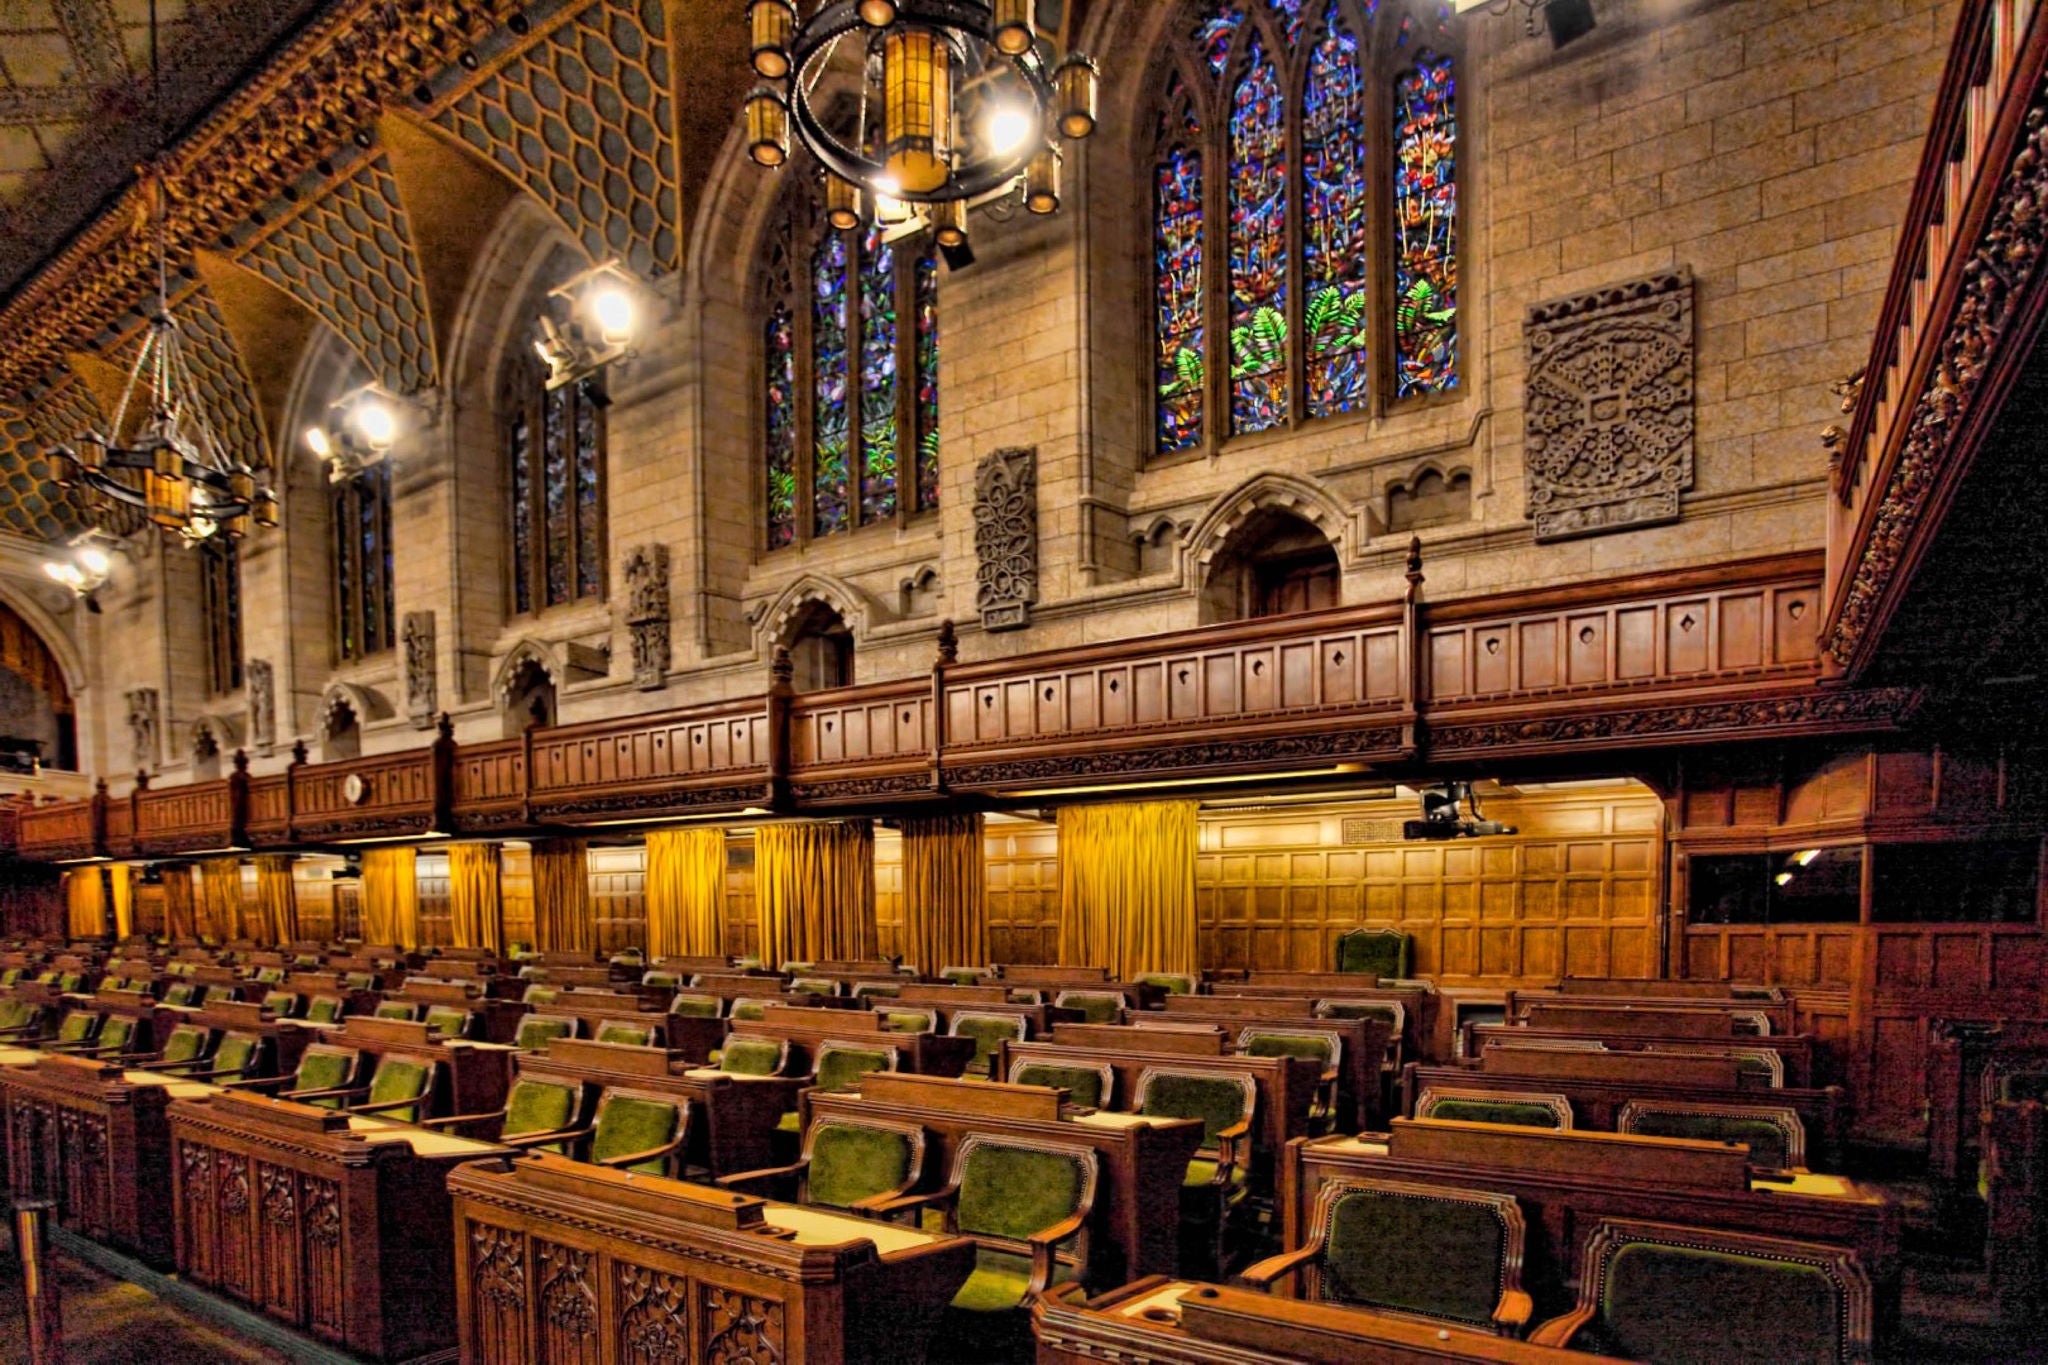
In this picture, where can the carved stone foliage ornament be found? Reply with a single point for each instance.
(418, 636)
(1608, 412)
(1006, 538)
(262, 705)
(647, 614)
(142, 727)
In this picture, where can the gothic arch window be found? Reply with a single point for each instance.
(220, 592)
(850, 395)
(554, 442)
(365, 622)
(1304, 258)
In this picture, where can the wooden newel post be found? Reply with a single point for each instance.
(38, 1281)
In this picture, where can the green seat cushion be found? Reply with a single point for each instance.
(539, 1107)
(695, 1006)
(1173, 983)
(540, 995)
(908, 1021)
(791, 1122)
(664, 981)
(749, 1009)
(235, 1055)
(1083, 1084)
(1095, 1007)
(77, 1026)
(1373, 952)
(117, 1031)
(400, 1078)
(448, 1021)
(1202, 1172)
(839, 1068)
(1690, 1306)
(962, 976)
(999, 1280)
(536, 1032)
(1496, 1111)
(184, 1044)
(805, 986)
(1287, 1045)
(876, 990)
(324, 1068)
(1217, 1101)
(70, 981)
(280, 1003)
(360, 981)
(632, 1035)
(1414, 1254)
(1015, 1192)
(395, 1009)
(10, 976)
(323, 1009)
(850, 1163)
(751, 1057)
(628, 1125)
(184, 993)
(269, 976)
(1766, 1140)
(989, 1031)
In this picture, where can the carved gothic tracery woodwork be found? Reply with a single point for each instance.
(647, 614)
(420, 688)
(1609, 406)
(1006, 538)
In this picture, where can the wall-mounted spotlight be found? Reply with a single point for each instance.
(361, 427)
(87, 568)
(591, 323)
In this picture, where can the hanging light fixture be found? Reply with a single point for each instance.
(958, 102)
(161, 454)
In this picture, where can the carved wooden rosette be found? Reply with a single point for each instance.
(1608, 409)
(1006, 538)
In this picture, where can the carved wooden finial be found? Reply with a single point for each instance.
(1415, 561)
(99, 787)
(949, 642)
(445, 727)
(142, 779)
(299, 754)
(780, 669)
(241, 760)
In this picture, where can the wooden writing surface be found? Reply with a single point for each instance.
(1193, 1040)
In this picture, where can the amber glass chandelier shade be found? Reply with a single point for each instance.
(917, 99)
(1010, 24)
(1042, 183)
(767, 128)
(842, 203)
(949, 222)
(170, 501)
(772, 22)
(1077, 81)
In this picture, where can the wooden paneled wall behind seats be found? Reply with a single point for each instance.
(1872, 987)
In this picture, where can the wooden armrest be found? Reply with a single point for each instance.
(542, 1138)
(635, 1158)
(1511, 1314)
(303, 1095)
(890, 1206)
(1559, 1331)
(1044, 1247)
(747, 1182)
(416, 1102)
(1262, 1275)
(452, 1120)
(255, 1083)
(877, 1205)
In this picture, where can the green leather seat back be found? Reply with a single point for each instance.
(13, 1013)
(117, 1032)
(396, 1009)
(400, 1078)
(877, 990)
(627, 1124)
(281, 1003)
(1083, 1084)
(1373, 952)
(324, 1068)
(1015, 1192)
(235, 1056)
(536, 1031)
(1695, 1306)
(750, 1009)
(185, 993)
(1504, 1111)
(1766, 1139)
(269, 976)
(840, 1068)
(78, 1026)
(448, 1021)
(185, 1044)
(908, 1021)
(804, 985)
(1441, 1257)
(1097, 1007)
(963, 976)
(323, 1009)
(540, 995)
(1287, 1045)
(1025, 995)
(850, 1162)
(665, 981)
(695, 1006)
(539, 1107)
(10, 976)
(70, 981)
(624, 1031)
(359, 981)
(750, 1057)
(1173, 983)
(989, 1031)
(1218, 1101)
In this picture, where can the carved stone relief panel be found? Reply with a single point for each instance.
(420, 689)
(647, 614)
(142, 727)
(262, 705)
(1006, 538)
(1608, 412)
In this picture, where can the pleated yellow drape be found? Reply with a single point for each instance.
(945, 892)
(121, 878)
(562, 918)
(220, 899)
(815, 888)
(685, 892)
(85, 897)
(391, 897)
(181, 919)
(1127, 887)
(476, 909)
(277, 901)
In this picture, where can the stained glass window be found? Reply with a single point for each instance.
(829, 478)
(781, 349)
(220, 585)
(554, 444)
(555, 490)
(589, 510)
(1335, 289)
(519, 452)
(1258, 248)
(1425, 228)
(364, 607)
(877, 379)
(927, 381)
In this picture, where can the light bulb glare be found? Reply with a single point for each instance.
(377, 424)
(317, 442)
(1009, 128)
(613, 309)
(94, 559)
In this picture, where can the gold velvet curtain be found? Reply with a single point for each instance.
(220, 899)
(121, 878)
(277, 903)
(476, 909)
(945, 892)
(1127, 887)
(815, 888)
(685, 893)
(180, 913)
(85, 896)
(391, 897)
(563, 921)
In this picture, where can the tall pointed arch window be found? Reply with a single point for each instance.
(554, 443)
(220, 601)
(850, 370)
(365, 616)
(1304, 216)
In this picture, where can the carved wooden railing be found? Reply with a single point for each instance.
(1688, 657)
(1953, 328)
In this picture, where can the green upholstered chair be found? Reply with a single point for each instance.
(1218, 1179)
(658, 980)
(908, 1020)
(813, 985)
(359, 981)
(397, 1009)
(1026, 1205)
(696, 1006)
(237, 1057)
(187, 993)
(1695, 1296)
(540, 995)
(324, 1009)
(187, 1044)
(19, 1020)
(749, 1056)
(964, 976)
(77, 1028)
(877, 990)
(1025, 995)
(1096, 1007)
(283, 1004)
(1393, 1011)
(863, 1166)
(1320, 1045)
(268, 976)
(1089, 1086)
(1376, 953)
(536, 1031)
(540, 1114)
(449, 1021)
(755, 1010)
(794, 968)
(1173, 983)
(324, 1077)
(10, 976)
(116, 1037)
(1421, 1251)
(1515, 1108)
(69, 982)
(1774, 1134)
(989, 1031)
(630, 1032)
(839, 1065)
(638, 1130)
(401, 1088)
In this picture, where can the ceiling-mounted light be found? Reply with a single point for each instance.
(1077, 80)
(1042, 182)
(949, 223)
(767, 128)
(842, 203)
(1010, 26)
(361, 428)
(592, 322)
(771, 21)
(877, 13)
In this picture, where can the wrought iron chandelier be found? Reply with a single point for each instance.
(958, 103)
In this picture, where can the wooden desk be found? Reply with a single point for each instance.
(733, 1126)
(1421, 1035)
(497, 1020)
(1137, 1200)
(560, 1261)
(1652, 1014)
(1182, 1322)
(478, 1073)
(926, 1054)
(337, 1225)
(1566, 1182)
(1959, 1057)
(1367, 1043)
(1794, 1049)
(947, 1001)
